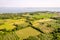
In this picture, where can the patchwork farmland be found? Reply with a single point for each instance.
(30, 26)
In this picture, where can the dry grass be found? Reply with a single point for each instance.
(24, 33)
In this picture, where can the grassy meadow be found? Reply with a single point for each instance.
(30, 26)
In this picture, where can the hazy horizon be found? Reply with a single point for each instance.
(27, 9)
(14, 6)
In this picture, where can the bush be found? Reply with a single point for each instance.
(45, 36)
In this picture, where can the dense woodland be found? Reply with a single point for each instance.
(30, 26)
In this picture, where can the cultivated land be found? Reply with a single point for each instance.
(30, 26)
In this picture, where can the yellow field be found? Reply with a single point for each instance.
(8, 23)
(24, 33)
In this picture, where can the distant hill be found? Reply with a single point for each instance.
(27, 9)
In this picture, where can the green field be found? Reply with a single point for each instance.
(30, 26)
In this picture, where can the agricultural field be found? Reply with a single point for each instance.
(30, 26)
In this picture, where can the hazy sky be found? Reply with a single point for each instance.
(29, 3)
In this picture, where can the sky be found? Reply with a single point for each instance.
(29, 3)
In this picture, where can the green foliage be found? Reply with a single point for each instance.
(45, 36)
(8, 36)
